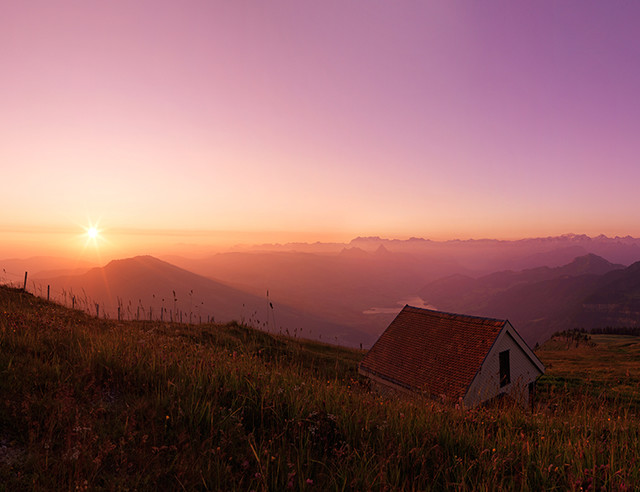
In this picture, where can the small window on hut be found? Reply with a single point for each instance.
(505, 368)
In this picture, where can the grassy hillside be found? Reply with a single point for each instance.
(95, 404)
(606, 366)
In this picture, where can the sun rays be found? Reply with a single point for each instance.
(92, 232)
(94, 239)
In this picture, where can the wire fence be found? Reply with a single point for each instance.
(122, 310)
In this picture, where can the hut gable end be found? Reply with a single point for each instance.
(523, 368)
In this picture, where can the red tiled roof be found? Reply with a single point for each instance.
(431, 351)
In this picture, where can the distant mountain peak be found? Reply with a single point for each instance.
(134, 259)
(575, 237)
(354, 252)
(589, 264)
(134, 264)
(382, 251)
(367, 238)
(589, 258)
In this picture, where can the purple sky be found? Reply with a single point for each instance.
(318, 120)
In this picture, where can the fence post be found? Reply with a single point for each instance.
(48, 291)
(24, 288)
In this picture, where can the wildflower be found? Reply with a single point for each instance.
(309, 481)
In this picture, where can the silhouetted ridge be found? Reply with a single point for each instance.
(542, 300)
(589, 264)
(354, 253)
(382, 251)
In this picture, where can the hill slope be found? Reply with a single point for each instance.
(146, 287)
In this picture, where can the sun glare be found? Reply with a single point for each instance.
(93, 237)
(92, 234)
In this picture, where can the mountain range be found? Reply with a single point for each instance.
(587, 293)
(484, 256)
(349, 292)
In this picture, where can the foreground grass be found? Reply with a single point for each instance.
(94, 404)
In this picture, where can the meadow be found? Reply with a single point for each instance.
(94, 404)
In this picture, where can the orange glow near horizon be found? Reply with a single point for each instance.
(98, 244)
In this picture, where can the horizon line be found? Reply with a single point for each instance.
(178, 232)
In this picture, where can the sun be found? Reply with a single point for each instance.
(93, 239)
(92, 233)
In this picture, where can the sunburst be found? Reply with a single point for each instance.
(92, 232)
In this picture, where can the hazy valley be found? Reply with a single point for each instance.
(348, 293)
